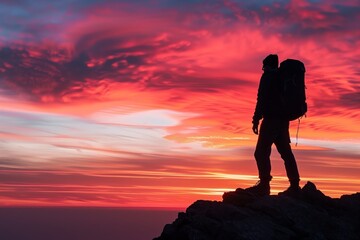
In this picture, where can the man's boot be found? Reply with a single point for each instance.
(261, 188)
(294, 189)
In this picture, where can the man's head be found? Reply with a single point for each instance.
(271, 61)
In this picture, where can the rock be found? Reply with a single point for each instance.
(309, 215)
(239, 197)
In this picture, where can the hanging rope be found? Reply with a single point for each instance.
(297, 132)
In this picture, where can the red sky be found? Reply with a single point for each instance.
(150, 104)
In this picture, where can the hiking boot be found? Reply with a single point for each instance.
(292, 191)
(259, 189)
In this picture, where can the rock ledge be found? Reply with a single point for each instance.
(308, 215)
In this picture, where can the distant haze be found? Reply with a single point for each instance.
(82, 223)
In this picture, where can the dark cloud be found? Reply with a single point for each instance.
(294, 19)
(39, 76)
(97, 57)
(12, 163)
(350, 100)
(103, 52)
(166, 81)
(35, 20)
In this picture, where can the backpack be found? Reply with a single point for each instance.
(293, 97)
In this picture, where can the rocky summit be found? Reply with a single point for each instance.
(307, 215)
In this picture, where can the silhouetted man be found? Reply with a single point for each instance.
(274, 129)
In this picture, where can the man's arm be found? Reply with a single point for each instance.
(259, 109)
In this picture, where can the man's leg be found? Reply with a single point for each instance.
(263, 151)
(262, 157)
(282, 143)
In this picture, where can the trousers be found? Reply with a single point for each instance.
(275, 131)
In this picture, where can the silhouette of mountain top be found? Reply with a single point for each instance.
(308, 215)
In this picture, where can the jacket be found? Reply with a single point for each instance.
(269, 104)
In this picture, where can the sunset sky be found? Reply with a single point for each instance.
(149, 103)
